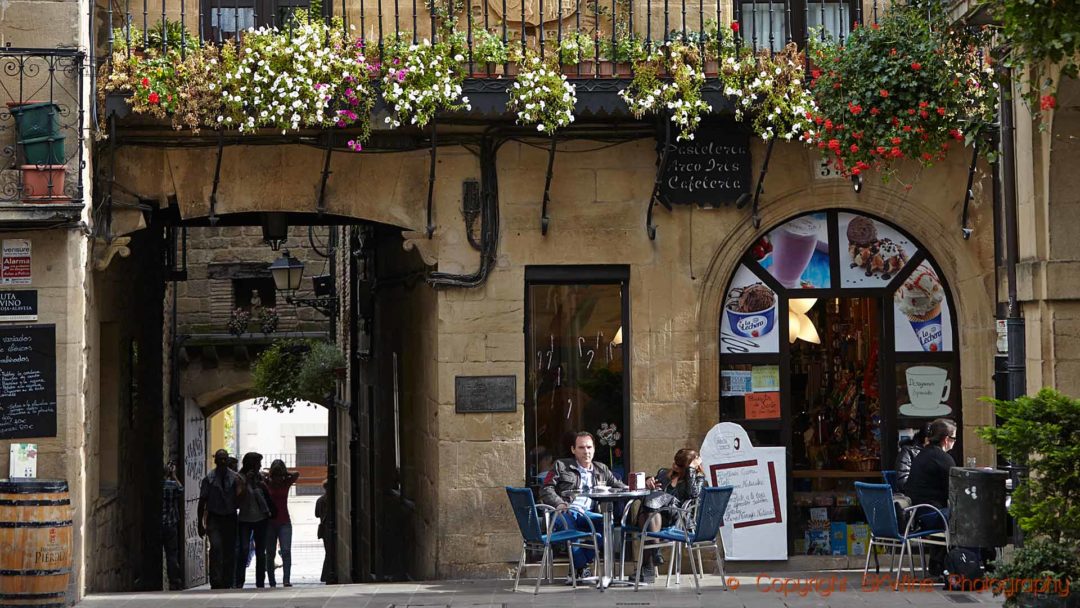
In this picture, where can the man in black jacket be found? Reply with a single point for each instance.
(573, 476)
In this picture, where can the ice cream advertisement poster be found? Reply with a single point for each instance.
(871, 252)
(797, 253)
(922, 319)
(749, 323)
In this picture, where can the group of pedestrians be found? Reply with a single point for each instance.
(237, 508)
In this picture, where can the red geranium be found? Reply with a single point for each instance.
(1047, 103)
(883, 93)
(915, 65)
(735, 26)
(145, 82)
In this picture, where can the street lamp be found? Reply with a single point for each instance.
(288, 272)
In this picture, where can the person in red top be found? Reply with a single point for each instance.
(280, 528)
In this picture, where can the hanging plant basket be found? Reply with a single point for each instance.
(296, 370)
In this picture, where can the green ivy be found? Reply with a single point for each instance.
(1040, 32)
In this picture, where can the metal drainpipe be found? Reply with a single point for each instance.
(1014, 323)
(332, 421)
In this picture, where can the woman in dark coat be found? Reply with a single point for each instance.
(683, 482)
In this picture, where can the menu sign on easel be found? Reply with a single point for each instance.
(710, 170)
(27, 381)
(755, 524)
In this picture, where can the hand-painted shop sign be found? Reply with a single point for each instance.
(711, 170)
(485, 394)
(27, 381)
(18, 305)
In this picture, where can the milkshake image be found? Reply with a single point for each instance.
(793, 246)
(920, 298)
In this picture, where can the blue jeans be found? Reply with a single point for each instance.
(930, 520)
(579, 521)
(275, 534)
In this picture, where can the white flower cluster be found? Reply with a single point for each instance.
(287, 80)
(770, 92)
(680, 96)
(542, 96)
(425, 80)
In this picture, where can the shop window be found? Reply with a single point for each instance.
(837, 340)
(311, 459)
(577, 343)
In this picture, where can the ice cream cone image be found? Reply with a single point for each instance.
(920, 299)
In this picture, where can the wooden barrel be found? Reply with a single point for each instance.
(35, 543)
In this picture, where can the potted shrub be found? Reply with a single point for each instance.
(238, 321)
(577, 54)
(296, 370)
(1042, 432)
(489, 54)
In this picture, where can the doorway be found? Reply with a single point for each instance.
(837, 342)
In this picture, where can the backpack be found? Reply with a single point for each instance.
(963, 565)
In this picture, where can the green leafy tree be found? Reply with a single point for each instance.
(1043, 432)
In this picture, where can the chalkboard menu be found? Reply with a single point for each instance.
(710, 170)
(27, 381)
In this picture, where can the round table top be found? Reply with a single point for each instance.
(615, 494)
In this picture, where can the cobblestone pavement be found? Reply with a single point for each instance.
(795, 590)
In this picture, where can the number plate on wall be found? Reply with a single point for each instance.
(481, 394)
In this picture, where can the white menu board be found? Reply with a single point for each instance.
(755, 524)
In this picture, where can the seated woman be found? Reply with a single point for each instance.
(683, 482)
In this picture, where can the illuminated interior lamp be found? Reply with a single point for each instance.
(617, 340)
(800, 327)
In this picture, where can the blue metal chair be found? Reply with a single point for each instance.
(891, 479)
(694, 533)
(877, 503)
(526, 512)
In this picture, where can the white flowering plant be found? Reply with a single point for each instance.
(488, 47)
(542, 96)
(679, 95)
(311, 75)
(422, 79)
(769, 92)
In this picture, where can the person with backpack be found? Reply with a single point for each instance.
(219, 494)
(279, 529)
(255, 512)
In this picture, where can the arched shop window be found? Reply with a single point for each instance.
(838, 339)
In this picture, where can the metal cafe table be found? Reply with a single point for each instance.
(606, 500)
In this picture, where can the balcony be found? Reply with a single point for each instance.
(42, 137)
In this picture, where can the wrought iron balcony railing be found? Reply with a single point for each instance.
(41, 126)
(610, 32)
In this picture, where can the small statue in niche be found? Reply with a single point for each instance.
(256, 301)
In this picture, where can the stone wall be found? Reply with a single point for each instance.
(1049, 240)
(217, 256)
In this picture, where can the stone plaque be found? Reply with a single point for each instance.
(481, 394)
(710, 170)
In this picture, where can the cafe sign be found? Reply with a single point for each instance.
(710, 170)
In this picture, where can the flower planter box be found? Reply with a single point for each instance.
(41, 182)
(712, 68)
(36, 119)
(584, 69)
(47, 150)
(486, 70)
(624, 69)
(606, 69)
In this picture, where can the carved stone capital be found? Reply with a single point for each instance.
(418, 240)
(105, 251)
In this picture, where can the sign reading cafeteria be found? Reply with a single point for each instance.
(857, 321)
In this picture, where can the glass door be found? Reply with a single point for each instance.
(577, 341)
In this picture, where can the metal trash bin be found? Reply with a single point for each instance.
(977, 499)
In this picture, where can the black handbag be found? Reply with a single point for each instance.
(659, 501)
